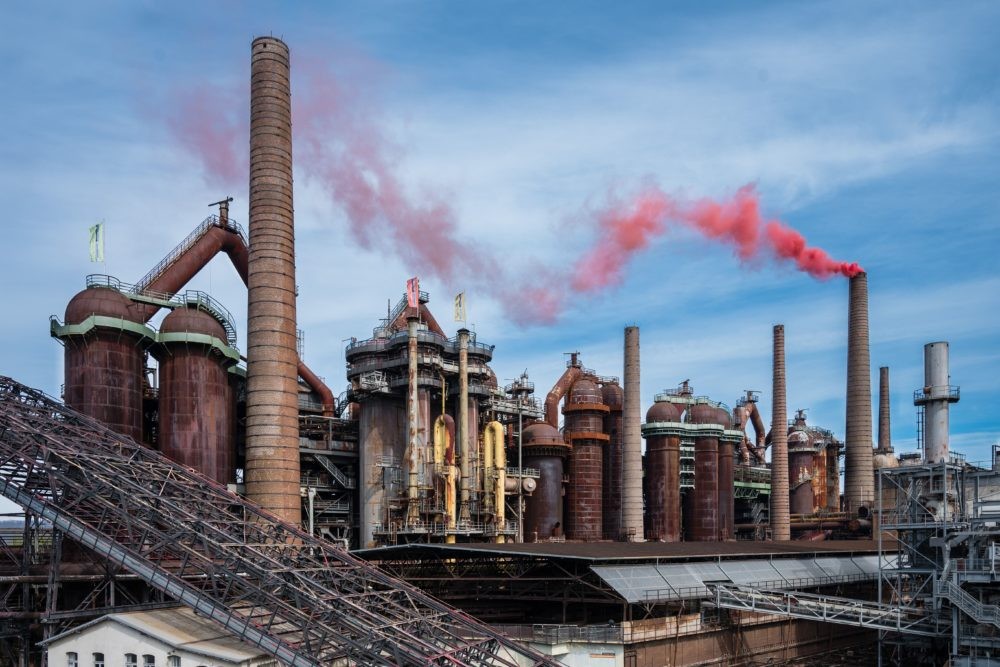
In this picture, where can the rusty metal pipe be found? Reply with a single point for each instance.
(272, 452)
(467, 460)
(413, 426)
(559, 389)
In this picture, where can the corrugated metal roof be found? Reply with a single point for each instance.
(677, 581)
(625, 551)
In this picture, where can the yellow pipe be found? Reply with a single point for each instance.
(496, 462)
(444, 460)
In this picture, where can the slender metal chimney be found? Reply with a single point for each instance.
(780, 527)
(467, 460)
(884, 429)
(935, 397)
(859, 474)
(413, 444)
(272, 451)
(632, 440)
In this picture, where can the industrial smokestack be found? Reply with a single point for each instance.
(859, 476)
(780, 528)
(937, 394)
(884, 434)
(272, 451)
(632, 440)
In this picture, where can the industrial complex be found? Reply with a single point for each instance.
(215, 501)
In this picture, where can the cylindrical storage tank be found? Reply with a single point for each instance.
(800, 459)
(727, 500)
(104, 366)
(611, 393)
(705, 502)
(584, 426)
(663, 474)
(196, 409)
(544, 450)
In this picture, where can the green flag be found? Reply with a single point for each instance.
(97, 242)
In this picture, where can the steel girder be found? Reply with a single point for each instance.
(297, 597)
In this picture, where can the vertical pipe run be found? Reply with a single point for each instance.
(466, 460)
(632, 440)
(859, 475)
(412, 424)
(272, 452)
(780, 526)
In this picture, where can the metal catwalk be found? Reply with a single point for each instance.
(297, 597)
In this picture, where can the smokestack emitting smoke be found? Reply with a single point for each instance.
(632, 523)
(859, 475)
(780, 520)
(342, 147)
(272, 452)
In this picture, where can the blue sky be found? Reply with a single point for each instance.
(872, 128)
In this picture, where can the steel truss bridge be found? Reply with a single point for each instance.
(298, 598)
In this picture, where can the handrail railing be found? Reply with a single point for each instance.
(183, 246)
(194, 298)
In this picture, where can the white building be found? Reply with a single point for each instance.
(173, 637)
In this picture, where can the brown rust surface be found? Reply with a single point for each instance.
(104, 370)
(272, 466)
(196, 411)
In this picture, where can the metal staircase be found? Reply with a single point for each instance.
(335, 472)
(979, 612)
(299, 598)
(184, 246)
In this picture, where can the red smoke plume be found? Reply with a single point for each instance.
(625, 229)
(339, 143)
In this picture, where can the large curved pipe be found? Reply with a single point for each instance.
(216, 239)
(760, 433)
(444, 460)
(559, 390)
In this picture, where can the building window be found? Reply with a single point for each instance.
(71, 660)
(130, 660)
(173, 661)
(98, 660)
(148, 660)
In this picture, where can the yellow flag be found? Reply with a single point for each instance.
(460, 307)
(97, 242)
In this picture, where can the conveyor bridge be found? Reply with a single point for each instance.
(297, 597)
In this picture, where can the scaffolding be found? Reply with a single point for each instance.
(298, 598)
(938, 527)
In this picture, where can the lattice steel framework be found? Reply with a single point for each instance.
(296, 597)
